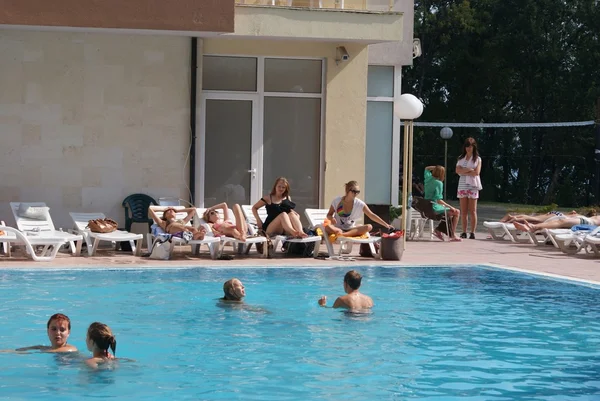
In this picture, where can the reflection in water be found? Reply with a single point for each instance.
(364, 315)
(241, 306)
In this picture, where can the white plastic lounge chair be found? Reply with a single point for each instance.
(592, 242)
(43, 225)
(564, 241)
(262, 214)
(92, 239)
(572, 242)
(240, 246)
(499, 231)
(50, 243)
(316, 217)
(210, 241)
(6, 244)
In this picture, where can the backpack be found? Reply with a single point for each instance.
(300, 249)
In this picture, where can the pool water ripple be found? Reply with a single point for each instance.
(435, 334)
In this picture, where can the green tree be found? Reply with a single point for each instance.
(513, 61)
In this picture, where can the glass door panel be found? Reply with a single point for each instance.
(228, 173)
(291, 146)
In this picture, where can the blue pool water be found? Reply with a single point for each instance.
(435, 334)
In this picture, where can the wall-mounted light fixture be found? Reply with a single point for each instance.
(341, 55)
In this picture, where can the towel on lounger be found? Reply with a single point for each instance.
(584, 227)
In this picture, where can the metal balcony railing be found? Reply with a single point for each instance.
(344, 5)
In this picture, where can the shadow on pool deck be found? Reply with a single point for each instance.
(538, 259)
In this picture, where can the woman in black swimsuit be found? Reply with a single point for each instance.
(281, 217)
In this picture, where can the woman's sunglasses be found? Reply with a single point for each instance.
(355, 191)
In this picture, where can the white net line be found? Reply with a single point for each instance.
(504, 125)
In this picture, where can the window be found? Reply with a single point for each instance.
(381, 181)
(287, 75)
(229, 73)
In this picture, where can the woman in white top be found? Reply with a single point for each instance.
(345, 210)
(468, 168)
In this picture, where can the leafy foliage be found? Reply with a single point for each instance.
(512, 61)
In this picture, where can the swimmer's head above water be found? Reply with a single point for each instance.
(233, 290)
(59, 329)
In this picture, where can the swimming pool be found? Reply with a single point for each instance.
(435, 334)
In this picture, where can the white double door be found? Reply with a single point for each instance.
(229, 150)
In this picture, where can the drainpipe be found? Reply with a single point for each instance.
(193, 84)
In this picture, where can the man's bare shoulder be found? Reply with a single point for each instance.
(354, 302)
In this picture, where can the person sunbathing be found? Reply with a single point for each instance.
(561, 223)
(540, 218)
(170, 224)
(224, 226)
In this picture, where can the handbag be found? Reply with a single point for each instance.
(102, 225)
(161, 248)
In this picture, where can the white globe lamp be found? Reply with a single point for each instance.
(407, 107)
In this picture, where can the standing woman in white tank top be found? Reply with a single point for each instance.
(468, 168)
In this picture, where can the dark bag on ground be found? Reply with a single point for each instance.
(300, 249)
(365, 250)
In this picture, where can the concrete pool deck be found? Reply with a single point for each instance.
(529, 258)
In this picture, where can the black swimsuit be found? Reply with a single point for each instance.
(273, 210)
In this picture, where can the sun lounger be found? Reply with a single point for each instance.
(92, 239)
(592, 242)
(238, 245)
(50, 242)
(500, 231)
(573, 241)
(278, 239)
(316, 218)
(41, 223)
(210, 241)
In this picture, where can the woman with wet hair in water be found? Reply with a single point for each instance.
(98, 340)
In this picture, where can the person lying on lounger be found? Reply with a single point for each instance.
(561, 223)
(540, 218)
(172, 225)
(224, 226)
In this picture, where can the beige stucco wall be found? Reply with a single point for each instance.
(281, 23)
(87, 119)
(345, 102)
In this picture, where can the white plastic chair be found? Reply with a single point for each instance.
(92, 239)
(46, 226)
(316, 218)
(277, 239)
(51, 244)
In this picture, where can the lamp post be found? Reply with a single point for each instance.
(446, 133)
(407, 108)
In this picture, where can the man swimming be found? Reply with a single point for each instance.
(354, 299)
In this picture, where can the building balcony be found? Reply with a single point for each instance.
(342, 5)
(181, 17)
(362, 21)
